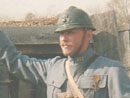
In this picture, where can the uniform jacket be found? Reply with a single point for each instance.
(113, 81)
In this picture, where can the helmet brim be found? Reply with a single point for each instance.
(65, 27)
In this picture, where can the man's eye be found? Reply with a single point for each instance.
(71, 32)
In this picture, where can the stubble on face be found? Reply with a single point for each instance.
(72, 44)
(69, 50)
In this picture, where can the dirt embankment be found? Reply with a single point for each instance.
(35, 22)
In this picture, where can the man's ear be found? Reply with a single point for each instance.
(89, 34)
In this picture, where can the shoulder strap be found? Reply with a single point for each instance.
(72, 83)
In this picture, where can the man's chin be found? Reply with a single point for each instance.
(67, 53)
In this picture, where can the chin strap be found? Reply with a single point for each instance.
(71, 81)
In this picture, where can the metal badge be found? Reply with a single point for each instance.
(80, 59)
(96, 79)
(65, 18)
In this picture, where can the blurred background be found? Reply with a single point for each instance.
(24, 10)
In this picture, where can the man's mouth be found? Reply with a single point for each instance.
(66, 46)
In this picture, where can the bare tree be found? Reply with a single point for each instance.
(122, 9)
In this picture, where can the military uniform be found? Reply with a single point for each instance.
(112, 80)
(102, 78)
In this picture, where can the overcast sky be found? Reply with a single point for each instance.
(17, 9)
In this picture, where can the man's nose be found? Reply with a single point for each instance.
(64, 36)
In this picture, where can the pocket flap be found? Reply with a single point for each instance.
(103, 81)
(57, 76)
(87, 82)
(56, 82)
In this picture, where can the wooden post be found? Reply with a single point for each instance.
(124, 34)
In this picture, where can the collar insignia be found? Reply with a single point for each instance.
(80, 59)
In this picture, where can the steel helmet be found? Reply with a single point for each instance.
(74, 18)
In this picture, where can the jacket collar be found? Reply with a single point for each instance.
(83, 58)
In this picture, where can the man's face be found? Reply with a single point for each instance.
(71, 41)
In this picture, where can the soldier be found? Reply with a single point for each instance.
(83, 75)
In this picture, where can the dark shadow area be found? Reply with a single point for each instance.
(106, 44)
